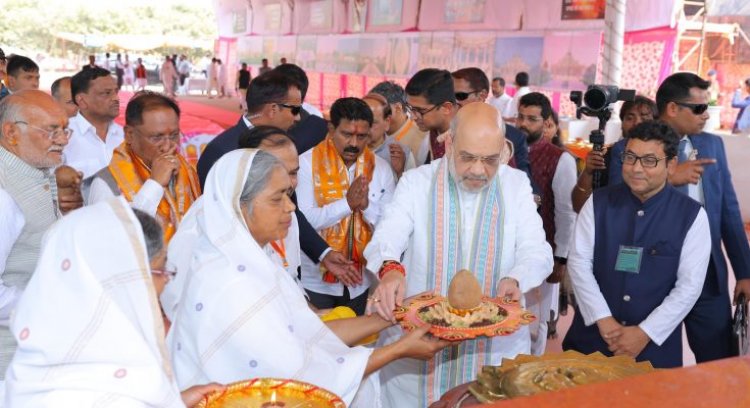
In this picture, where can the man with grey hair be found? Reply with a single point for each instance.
(465, 210)
(61, 92)
(33, 132)
(402, 127)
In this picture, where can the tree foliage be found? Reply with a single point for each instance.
(32, 24)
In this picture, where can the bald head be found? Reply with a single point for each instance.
(479, 120)
(62, 94)
(476, 148)
(32, 127)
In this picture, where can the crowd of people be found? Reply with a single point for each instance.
(130, 277)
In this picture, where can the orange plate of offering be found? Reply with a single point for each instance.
(498, 317)
(272, 393)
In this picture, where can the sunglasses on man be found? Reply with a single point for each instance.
(696, 108)
(461, 96)
(295, 109)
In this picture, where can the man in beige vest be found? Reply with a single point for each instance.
(33, 132)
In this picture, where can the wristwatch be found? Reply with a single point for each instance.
(561, 260)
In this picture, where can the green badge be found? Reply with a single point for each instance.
(629, 259)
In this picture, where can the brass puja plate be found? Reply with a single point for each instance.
(529, 375)
(508, 319)
(272, 393)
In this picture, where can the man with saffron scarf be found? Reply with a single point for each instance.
(466, 210)
(147, 169)
(342, 188)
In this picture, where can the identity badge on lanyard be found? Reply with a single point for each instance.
(629, 259)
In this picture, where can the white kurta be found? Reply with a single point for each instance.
(11, 225)
(242, 316)
(526, 257)
(89, 327)
(662, 321)
(381, 191)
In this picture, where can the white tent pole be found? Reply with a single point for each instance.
(614, 36)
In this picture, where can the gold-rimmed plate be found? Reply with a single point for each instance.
(272, 393)
(512, 318)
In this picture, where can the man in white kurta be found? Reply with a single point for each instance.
(331, 176)
(489, 225)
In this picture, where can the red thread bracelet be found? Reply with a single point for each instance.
(391, 266)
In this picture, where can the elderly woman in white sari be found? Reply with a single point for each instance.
(89, 327)
(242, 316)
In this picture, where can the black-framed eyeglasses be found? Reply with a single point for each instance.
(462, 96)
(646, 161)
(295, 109)
(169, 275)
(696, 108)
(423, 111)
(51, 134)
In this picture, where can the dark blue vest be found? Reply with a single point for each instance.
(659, 226)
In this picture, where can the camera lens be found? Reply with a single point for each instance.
(596, 98)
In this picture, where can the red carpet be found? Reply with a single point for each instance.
(199, 124)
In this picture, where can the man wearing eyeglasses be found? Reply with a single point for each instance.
(703, 174)
(33, 132)
(554, 173)
(472, 85)
(147, 169)
(342, 190)
(638, 257)
(95, 134)
(432, 101)
(464, 211)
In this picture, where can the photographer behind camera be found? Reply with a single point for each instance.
(632, 113)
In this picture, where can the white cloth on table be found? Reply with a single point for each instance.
(89, 327)
(381, 189)
(242, 316)
(86, 151)
(664, 319)
(404, 229)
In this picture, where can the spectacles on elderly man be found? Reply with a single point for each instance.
(51, 134)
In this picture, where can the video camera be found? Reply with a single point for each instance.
(597, 102)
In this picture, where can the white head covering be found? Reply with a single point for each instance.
(88, 326)
(182, 246)
(241, 315)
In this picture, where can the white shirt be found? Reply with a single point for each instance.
(664, 319)
(86, 152)
(147, 199)
(11, 224)
(511, 110)
(695, 191)
(563, 183)
(500, 103)
(184, 67)
(381, 191)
